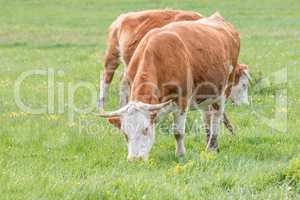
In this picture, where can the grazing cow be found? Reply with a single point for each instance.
(181, 65)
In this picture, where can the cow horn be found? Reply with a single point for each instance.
(116, 113)
(152, 107)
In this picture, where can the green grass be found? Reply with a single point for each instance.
(47, 157)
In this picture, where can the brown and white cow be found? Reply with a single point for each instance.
(182, 64)
(125, 34)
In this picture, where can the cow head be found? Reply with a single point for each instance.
(136, 120)
(239, 91)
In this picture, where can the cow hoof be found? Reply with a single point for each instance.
(180, 153)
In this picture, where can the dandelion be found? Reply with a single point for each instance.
(18, 114)
(53, 117)
(178, 169)
(13, 114)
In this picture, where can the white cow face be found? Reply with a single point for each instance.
(138, 128)
(239, 92)
(136, 120)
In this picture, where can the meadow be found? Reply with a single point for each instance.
(64, 154)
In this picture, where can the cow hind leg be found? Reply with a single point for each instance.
(207, 118)
(213, 117)
(179, 131)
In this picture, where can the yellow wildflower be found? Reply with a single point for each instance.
(178, 169)
(53, 117)
(13, 114)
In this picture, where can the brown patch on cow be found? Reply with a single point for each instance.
(116, 121)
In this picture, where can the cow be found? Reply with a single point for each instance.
(182, 65)
(127, 31)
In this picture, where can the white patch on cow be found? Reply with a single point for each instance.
(104, 87)
(137, 125)
(179, 131)
(230, 69)
(239, 92)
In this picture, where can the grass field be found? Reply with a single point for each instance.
(49, 156)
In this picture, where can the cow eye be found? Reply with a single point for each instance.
(244, 85)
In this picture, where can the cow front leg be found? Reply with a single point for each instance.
(179, 131)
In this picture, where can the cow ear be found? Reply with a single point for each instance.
(116, 121)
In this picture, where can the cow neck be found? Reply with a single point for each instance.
(145, 87)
